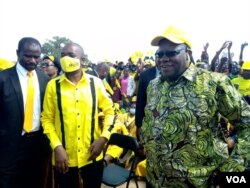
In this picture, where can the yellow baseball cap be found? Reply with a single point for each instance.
(174, 35)
(246, 65)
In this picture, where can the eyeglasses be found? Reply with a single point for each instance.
(169, 54)
(149, 58)
(43, 65)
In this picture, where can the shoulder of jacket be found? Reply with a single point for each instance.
(42, 74)
(150, 70)
(54, 80)
(6, 73)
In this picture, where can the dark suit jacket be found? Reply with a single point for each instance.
(141, 100)
(12, 112)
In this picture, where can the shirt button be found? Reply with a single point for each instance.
(78, 126)
(78, 114)
(79, 150)
(76, 100)
(78, 138)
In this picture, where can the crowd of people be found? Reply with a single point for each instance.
(191, 118)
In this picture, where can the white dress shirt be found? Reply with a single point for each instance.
(23, 78)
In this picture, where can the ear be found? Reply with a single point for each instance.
(187, 57)
(17, 52)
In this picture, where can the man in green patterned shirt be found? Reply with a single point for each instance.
(184, 142)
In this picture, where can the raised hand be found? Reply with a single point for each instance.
(244, 45)
(206, 46)
(230, 43)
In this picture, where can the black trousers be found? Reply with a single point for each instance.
(91, 175)
(148, 185)
(27, 169)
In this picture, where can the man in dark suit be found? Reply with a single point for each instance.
(145, 77)
(23, 154)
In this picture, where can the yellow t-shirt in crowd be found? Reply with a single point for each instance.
(243, 85)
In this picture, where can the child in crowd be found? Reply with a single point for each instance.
(125, 124)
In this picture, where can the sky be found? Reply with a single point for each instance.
(114, 29)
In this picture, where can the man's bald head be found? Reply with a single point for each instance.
(73, 50)
(102, 69)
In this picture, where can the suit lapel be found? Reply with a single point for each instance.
(42, 79)
(17, 87)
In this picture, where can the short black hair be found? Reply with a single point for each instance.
(26, 40)
(80, 48)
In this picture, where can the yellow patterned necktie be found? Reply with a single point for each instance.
(28, 115)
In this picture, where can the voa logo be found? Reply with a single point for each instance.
(236, 179)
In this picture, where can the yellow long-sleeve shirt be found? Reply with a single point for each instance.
(77, 109)
(242, 84)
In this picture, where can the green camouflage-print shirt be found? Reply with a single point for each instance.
(182, 137)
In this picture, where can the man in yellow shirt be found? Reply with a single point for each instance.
(70, 120)
(242, 82)
(102, 70)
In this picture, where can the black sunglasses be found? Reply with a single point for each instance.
(169, 54)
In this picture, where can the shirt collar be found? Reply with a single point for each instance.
(158, 72)
(188, 74)
(22, 70)
(83, 79)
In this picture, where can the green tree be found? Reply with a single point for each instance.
(54, 46)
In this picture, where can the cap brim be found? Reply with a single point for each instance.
(49, 58)
(46, 57)
(156, 40)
